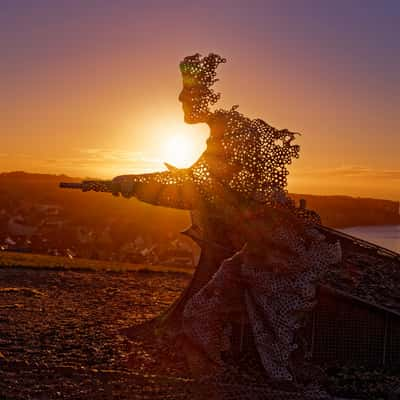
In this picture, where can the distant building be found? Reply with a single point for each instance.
(18, 227)
(48, 209)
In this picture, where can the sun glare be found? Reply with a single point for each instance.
(171, 141)
(179, 151)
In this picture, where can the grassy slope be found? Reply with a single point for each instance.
(10, 259)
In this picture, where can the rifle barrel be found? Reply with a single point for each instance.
(71, 185)
(86, 186)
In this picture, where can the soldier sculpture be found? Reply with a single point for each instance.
(236, 194)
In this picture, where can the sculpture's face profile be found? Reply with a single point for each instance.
(193, 104)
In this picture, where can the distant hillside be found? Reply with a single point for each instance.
(19, 189)
(23, 190)
(346, 211)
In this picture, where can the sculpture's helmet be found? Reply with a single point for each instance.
(198, 74)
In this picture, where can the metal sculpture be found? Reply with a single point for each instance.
(236, 193)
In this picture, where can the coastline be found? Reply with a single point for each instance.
(387, 236)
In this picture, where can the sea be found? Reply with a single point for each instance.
(387, 236)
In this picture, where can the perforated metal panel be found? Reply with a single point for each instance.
(341, 330)
(350, 331)
(393, 348)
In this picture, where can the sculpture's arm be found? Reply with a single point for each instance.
(174, 188)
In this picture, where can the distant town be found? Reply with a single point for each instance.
(38, 217)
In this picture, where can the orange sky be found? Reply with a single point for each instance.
(93, 92)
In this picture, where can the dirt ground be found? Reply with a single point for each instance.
(60, 335)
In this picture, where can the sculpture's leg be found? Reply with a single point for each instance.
(170, 323)
(198, 363)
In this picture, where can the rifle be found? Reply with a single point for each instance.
(86, 186)
(101, 186)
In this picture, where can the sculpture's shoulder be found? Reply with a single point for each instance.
(233, 129)
(229, 123)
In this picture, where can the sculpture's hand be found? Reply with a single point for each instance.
(124, 185)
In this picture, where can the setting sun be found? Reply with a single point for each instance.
(179, 151)
(180, 145)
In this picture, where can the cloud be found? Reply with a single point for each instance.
(116, 155)
(100, 162)
(353, 171)
(104, 162)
